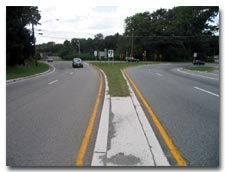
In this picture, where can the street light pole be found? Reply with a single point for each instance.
(49, 20)
(33, 37)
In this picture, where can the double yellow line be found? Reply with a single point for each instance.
(174, 151)
(83, 148)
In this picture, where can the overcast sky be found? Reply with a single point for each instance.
(86, 18)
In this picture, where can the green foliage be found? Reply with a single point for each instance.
(19, 39)
(165, 35)
(171, 33)
(25, 70)
(210, 59)
(201, 68)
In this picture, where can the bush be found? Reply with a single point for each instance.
(210, 59)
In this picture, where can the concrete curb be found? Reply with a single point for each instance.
(134, 142)
(158, 154)
(51, 69)
(201, 72)
(196, 73)
(100, 149)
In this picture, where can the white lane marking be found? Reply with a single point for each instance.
(158, 74)
(71, 73)
(206, 91)
(75, 70)
(53, 82)
(179, 70)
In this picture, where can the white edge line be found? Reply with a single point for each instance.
(53, 82)
(100, 148)
(158, 154)
(206, 91)
(179, 70)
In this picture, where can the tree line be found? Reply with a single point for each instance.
(175, 34)
(163, 35)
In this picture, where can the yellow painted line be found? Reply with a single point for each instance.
(174, 151)
(83, 148)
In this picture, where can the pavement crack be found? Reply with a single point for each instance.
(149, 145)
(112, 131)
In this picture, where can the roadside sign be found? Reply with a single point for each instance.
(110, 53)
(95, 53)
(195, 55)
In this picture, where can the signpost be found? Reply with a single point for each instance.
(111, 55)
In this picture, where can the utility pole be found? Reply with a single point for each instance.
(132, 42)
(78, 44)
(33, 37)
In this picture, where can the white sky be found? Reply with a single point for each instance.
(86, 18)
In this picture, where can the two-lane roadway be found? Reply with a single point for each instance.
(188, 105)
(47, 116)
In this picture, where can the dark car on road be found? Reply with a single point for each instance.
(198, 62)
(77, 62)
(131, 59)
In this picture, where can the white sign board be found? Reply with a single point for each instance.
(195, 55)
(95, 53)
(110, 53)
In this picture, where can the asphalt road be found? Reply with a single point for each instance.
(47, 116)
(188, 106)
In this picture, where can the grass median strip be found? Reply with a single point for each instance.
(23, 71)
(201, 68)
(117, 84)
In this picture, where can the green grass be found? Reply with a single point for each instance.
(201, 68)
(117, 84)
(22, 71)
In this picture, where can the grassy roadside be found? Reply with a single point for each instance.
(23, 71)
(201, 68)
(117, 84)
